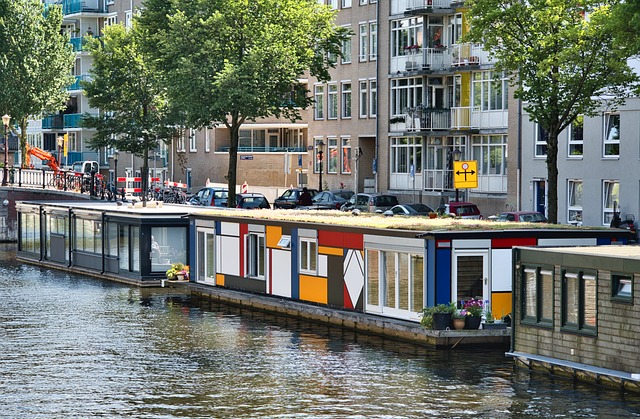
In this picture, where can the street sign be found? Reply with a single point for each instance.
(465, 174)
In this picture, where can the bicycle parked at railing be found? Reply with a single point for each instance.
(174, 195)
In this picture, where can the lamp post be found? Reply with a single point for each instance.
(115, 174)
(60, 141)
(5, 121)
(457, 153)
(320, 155)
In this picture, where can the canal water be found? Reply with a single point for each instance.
(75, 346)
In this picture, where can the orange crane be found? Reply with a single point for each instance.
(45, 156)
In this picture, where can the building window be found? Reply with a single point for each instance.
(111, 20)
(308, 256)
(256, 255)
(317, 148)
(537, 295)
(363, 100)
(333, 4)
(406, 36)
(574, 202)
(490, 91)
(363, 2)
(332, 155)
(406, 152)
(128, 19)
(346, 155)
(612, 135)
(575, 137)
(579, 301)
(373, 41)
(610, 199)
(319, 98)
(542, 137)
(346, 4)
(180, 144)
(193, 143)
(346, 100)
(207, 140)
(490, 151)
(373, 97)
(622, 287)
(364, 42)
(346, 50)
(405, 93)
(332, 101)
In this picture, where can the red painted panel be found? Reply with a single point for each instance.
(354, 241)
(508, 243)
(347, 300)
(330, 238)
(244, 229)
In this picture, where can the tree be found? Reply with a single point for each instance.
(563, 55)
(36, 60)
(231, 61)
(135, 114)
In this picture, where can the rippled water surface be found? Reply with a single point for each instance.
(74, 346)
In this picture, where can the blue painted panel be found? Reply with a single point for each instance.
(295, 277)
(430, 267)
(443, 276)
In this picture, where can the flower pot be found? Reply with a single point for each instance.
(441, 321)
(495, 325)
(458, 324)
(472, 322)
(180, 277)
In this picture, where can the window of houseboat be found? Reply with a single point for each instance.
(537, 292)
(30, 232)
(256, 255)
(129, 248)
(308, 256)
(88, 236)
(622, 287)
(57, 226)
(168, 246)
(579, 301)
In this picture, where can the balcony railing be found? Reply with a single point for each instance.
(77, 84)
(72, 120)
(441, 58)
(402, 6)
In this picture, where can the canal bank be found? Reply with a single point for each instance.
(388, 328)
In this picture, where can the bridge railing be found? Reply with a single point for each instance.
(44, 179)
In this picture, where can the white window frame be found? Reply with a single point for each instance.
(373, 41)
(363, 44)
(180, 144)
(610, 194)
(345, 155)
(128, 19)
(574, 201)
(346, 4)
(193, 141)
(347, 48)
(332, 101)
(373, 98)
(540, 142)
(110, 20)
(611, 140)
(575, 143)
(207, 140)
(363, 104)
(316, 149)
(363, 2)
(331, 155)
(346, 102)
(490, 151)
(318, 110)
(309, 248)
(256, 255)
(405, 93)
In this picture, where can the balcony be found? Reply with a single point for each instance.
(422, 118)
(70, 7)
(265, 149)
(64, 121)
(77, 84)
(415, 7)
(452, 58)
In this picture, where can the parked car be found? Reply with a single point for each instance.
(290, 198)
(331, 199)
(410, 209)
(210, 196)
(370, 202)
(523, 217)
(252, 201)
(462, 210)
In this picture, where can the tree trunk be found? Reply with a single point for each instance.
(552, 175)
(145, 175)
(23, 141)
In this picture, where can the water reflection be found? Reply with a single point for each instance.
(77, 347)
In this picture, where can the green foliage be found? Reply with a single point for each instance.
(561, 63)
(427, 313)
(229, 61)
(35, 61)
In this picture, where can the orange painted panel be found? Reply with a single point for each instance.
(324, 250)
(500, 304)
(507, 243)
(313, 289)
(220, 280)
(274, 233)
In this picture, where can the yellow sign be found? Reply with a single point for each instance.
(465, 174)
(66, 144)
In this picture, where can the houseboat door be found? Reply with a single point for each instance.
(206, 273)
(470, 273)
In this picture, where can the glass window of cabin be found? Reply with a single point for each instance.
(256, 255)
(579, 302)
(537, 290)
(168, 245)
(308, 256)
(373, 278)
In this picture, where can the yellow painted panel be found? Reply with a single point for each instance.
(501, 304)
(465, 94)
(220, 280)
(324, 250)
(274, 233)
(314, 289)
